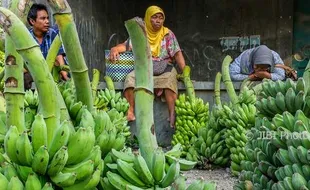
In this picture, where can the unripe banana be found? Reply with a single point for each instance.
(61, 138)
(172, 173)
(143, 170)
(95, 155)
(179, 184)
(117, 181)
(38, 132)
(158, 164)
(75, 108)
(87, 119)
(40, 160)
(47, 186)
(78, 117)
(129, 173)
(58, 162)
(3, 181)
(196, 185)
(15, 184)
(23, 172)
(29, 117)
(80, 145)
(24, 150)
(94, 180)
(119, 142)
(127, 157)
(8, 170)
(33, 182)
(10, 143)
(83, 170)
(64, 179)
(101, 121)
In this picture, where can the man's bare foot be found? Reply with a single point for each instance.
(131, 116)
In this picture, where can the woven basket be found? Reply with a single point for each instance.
(119, 69)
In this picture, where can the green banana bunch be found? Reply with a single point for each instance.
(279, 96)
(130, 171)
(108, 99)
(277, 154)
(33, 182)
(247, 96)
(80, 145)
(38, 133)
(191, 116)
(29, 114)
(201, 185)
(31, 99)
(211, 146)
(24, 150)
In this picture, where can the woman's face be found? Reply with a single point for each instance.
(157, 21)
(261, 67)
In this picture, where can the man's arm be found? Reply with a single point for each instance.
(60, 62)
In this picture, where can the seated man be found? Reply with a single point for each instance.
(39, 20)
(256, 64)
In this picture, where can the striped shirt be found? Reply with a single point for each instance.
(47, 42)
(241, 67)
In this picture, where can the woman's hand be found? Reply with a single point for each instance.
(114, 54)
(262, 74)
(253, 77)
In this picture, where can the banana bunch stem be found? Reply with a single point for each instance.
(109, 83)
(217, 89)
(188, 83)
(306, 77)
(30, 51)
(95, 81)
(52, 52)
(143, 88)
(74, 53)
(14, 79)
(226, 78)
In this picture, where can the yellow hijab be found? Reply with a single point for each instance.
(154, 37)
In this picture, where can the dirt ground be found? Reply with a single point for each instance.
(222, 177)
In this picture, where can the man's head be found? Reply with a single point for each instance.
(38, 17)
(262, 58)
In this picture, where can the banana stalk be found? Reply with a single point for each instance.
(14, 78)
(52, 52)
(188, 83)
(306, 77)
(109, 83)
(74, 53)
(14, 87)
(95, 81)
(28, 48)
(144, 85)
(217, 89)
(226, 79)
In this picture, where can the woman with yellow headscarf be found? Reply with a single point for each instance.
(165, 50)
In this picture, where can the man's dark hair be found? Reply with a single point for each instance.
(32, 14)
